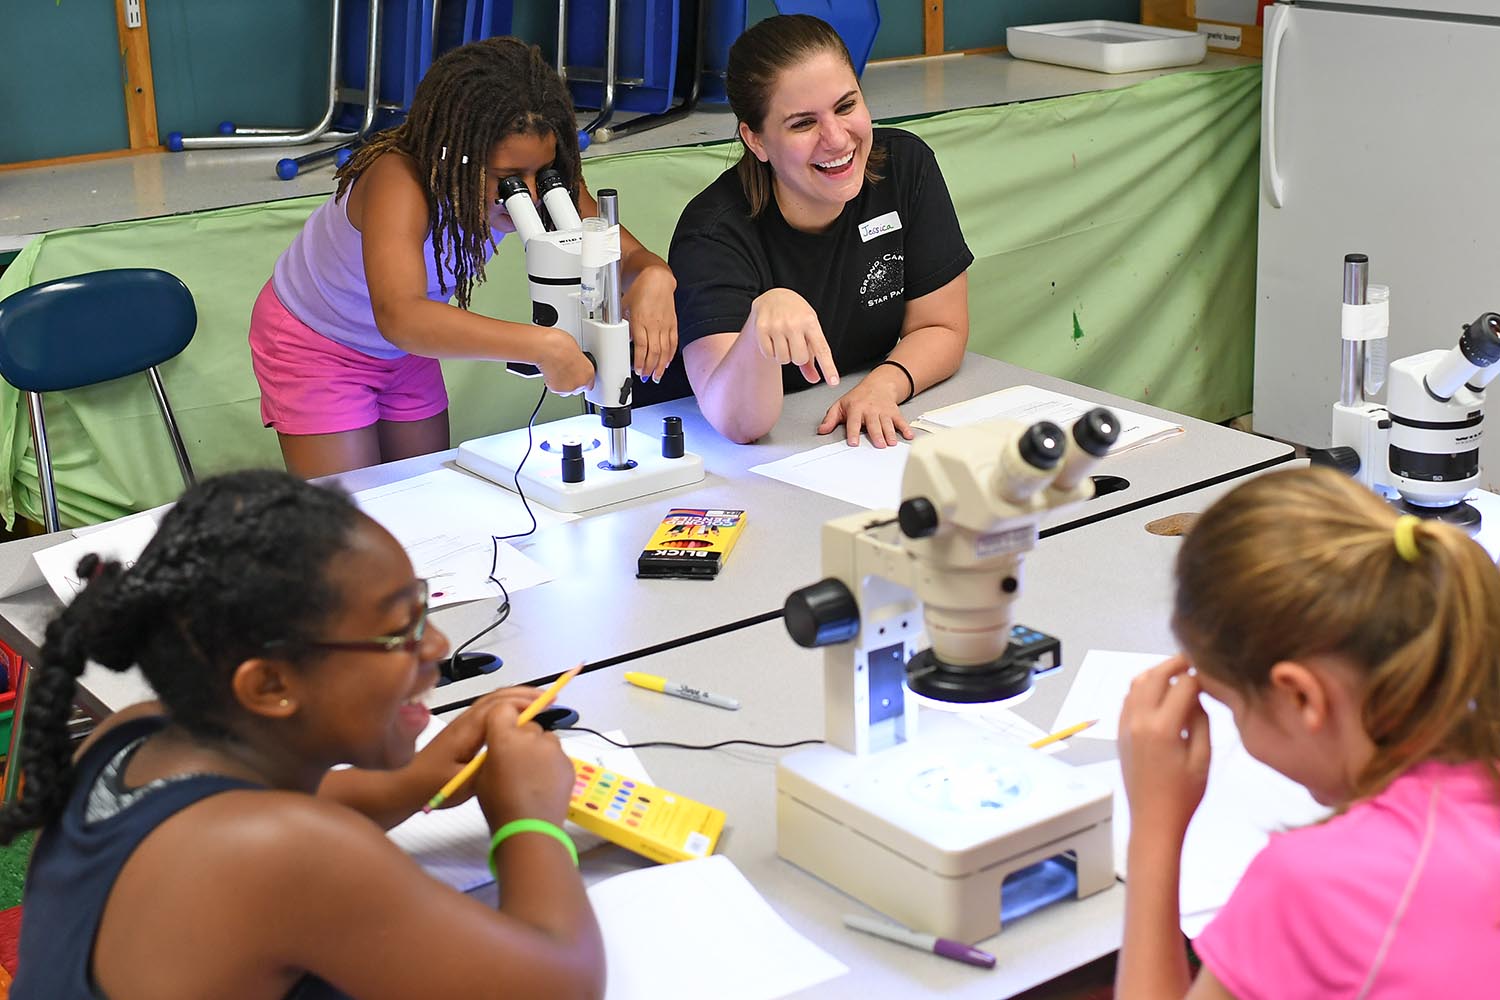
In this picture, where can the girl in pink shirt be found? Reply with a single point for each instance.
(1359, 651)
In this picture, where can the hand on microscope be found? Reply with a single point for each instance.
(1165, 771)
(648, 305)
(566, 369)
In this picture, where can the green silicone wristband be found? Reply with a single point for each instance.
(531, 826)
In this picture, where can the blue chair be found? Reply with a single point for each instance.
(73, 332)
(856, 21)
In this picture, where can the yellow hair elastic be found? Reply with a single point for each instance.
(1406, 537)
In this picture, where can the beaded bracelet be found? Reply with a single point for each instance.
(911, 383)
(531, 826)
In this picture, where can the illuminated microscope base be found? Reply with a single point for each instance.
(926, 832)
(496, 457)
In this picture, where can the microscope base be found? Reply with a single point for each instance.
(496, 457)
(892, 828)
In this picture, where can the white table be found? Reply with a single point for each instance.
(593, 559)
(1103, 586)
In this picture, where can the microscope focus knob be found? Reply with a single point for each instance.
(918, 517)
(823, 614)
(1042, 445)
(1345, 460)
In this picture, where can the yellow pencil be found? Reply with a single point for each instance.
(531, 712)
(1062, 734)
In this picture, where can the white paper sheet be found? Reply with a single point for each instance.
(1012, 727)
(445, 519)
(699, 929)
(865, 476)
(1028, 404)
(1488, 505)
(1099, 690)
(122, 540)
(453, 844)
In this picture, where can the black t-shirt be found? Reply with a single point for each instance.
(897, 239)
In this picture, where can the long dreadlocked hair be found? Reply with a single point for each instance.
(471, 98)
(240, 560)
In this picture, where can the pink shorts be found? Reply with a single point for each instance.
(312, 385)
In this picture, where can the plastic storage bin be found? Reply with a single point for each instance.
(1106, 46)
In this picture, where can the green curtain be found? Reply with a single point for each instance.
(1113, 235)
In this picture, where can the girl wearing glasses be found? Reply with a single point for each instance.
(202, 846)
(345, 338)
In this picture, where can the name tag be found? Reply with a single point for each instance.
(879, 226)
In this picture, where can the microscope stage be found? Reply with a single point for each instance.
(496, 457)
(927, 830)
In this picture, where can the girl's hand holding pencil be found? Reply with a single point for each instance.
(457, 743)
(528, 775)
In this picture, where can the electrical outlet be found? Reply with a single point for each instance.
(132, 13)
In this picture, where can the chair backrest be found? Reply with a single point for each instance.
(90, 328)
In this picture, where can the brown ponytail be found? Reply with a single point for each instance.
(1304, 562)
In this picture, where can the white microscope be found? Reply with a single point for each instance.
(1421, 448)
(927, 825)
(574, 276)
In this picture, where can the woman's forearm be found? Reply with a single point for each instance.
(742, 395)
(932, 354)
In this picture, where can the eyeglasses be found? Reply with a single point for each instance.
(405, 641)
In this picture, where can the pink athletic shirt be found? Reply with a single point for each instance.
(1398, 897)
(320, 279)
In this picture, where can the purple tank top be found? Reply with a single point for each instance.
(320, 279)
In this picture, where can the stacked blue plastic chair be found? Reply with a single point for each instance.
(407, 35)
(856, 21)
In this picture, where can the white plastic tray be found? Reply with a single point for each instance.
(1106, 46)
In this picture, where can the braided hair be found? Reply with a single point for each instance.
(239, 561)
(471, 98)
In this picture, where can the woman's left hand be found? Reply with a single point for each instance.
(452, 748)
(870, 407)
(652, 312)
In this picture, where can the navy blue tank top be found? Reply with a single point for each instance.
(75, 865)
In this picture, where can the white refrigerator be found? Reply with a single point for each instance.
(1380, 134)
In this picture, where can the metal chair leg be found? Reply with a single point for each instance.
(183, 465)
(287, 137)
(611, 56)
(43, 462)
(682, 110)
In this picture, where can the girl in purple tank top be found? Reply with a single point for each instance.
(1358, 650)
(207, 844)
(345, 338)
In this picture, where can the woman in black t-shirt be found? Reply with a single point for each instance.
(832, 246)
